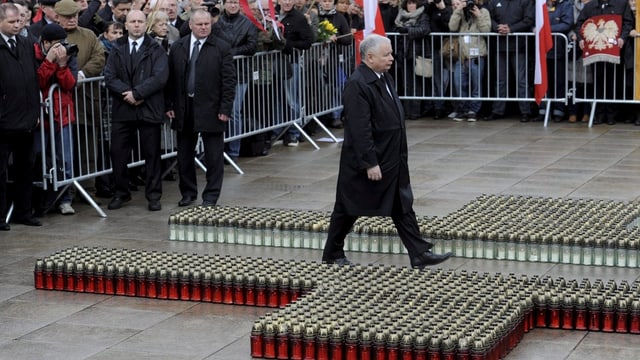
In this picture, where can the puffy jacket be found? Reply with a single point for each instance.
(241, 35)
(459, 23)
(50, 73)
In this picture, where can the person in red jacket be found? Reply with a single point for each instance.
(58, 67)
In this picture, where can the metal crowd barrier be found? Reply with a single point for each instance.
(280, 91)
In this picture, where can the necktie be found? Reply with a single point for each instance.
(12, 45)
(191, 80)
(134, 48)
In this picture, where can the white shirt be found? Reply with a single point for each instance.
(138, 43)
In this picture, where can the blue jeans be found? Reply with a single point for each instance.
(292, 95)
(64, 153)
(467, 80)
(517, 62)
(234, 127)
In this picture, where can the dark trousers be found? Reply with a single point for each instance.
(21, 146)
(341, 224)
(123, 138)
(213, 155)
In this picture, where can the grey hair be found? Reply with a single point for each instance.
(370, 43)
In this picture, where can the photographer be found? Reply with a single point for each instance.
(58, 65)
(468, 70)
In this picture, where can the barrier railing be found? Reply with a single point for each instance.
(281, 91)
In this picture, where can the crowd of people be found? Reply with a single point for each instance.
(147, 51)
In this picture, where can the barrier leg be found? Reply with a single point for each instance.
(592, 114)
(89, 199)
(546, 113)
(306, 136)
(9, 214)
(325, 129)
(233, 164)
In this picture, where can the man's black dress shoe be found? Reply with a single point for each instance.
(428, 258)
(29, 221)
(493, 116)
(116, 202)
(341, 262)
(524, 118)
(208, 203)
(154, 205)
(5, 227)
(186, 200)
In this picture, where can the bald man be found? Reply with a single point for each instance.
(136, 74)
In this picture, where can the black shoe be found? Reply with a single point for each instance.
(428, 258)
(208, 203)
(556, 119)
(5, 227)
(116, 202)
(341, 262)
(154, 205)
(637, 123)
(438, 114)
(186, 200)
(29, 221)
(524, 118)
(611, 122)
(493, 116)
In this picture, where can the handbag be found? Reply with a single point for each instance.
(424, 67)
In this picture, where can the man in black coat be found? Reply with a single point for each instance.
(373, 179)
(19, 111)
(136, 74)
(199, 99)
(48, 16)
(242, 35)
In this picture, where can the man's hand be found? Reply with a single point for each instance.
(503, 29)
(374, 173)
(171, 114)
(128, 97)
(223, 117)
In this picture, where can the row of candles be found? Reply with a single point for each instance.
(356, 312)
(581, 232)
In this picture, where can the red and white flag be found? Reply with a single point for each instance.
(372, 23)
(544, 43)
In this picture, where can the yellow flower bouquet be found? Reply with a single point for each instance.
(326, 30)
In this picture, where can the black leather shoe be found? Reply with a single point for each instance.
(208, 203)
(186, 200)
(428, 258)
(154, 205)
(29, 221)
(5, 227)
(336, 124)
(493, 116)
(341, 262)
(524, 118)
(116, 202)
(611, 122)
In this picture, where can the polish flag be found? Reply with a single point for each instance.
(544, 43)
(372, 23)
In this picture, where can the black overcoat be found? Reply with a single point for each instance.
(146, 76)
(374, 134)
(215, 84)
(19, 91)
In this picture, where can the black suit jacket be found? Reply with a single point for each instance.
(215, 84)
(146, 75)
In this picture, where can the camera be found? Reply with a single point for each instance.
(212, 7)
(470, 4)
(72, 49)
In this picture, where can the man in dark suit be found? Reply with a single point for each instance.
(136, 74)
(373, 179)
(19, 109)
(199, 98)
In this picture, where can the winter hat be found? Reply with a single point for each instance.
(53, 32)
(66, 8)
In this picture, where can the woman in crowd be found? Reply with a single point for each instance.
(158, 28)
(413, 23)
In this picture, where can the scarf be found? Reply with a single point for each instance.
(326, 12)
(405, 18)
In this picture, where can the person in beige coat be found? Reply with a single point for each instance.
(468, 70)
